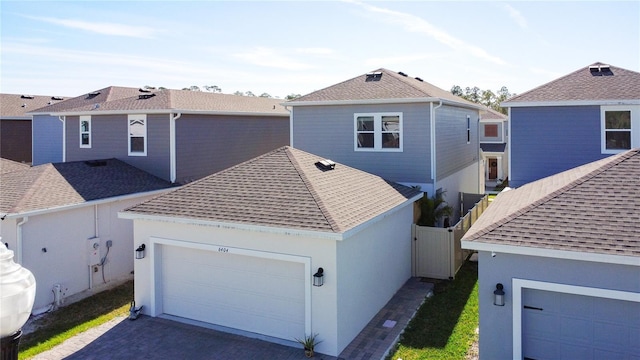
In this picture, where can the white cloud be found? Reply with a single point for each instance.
(104, 28)
(412, 23)
(269, 57)
(516, 16)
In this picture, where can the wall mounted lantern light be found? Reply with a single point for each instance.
(498, 295)
(318, 277)
(140, 252)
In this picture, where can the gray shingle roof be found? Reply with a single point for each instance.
(389, 85)
(114, 99)
(490, 114)
(283, 188)
(593, 208)
(16, 106)
(582, 85)
(488, 147)
(53, 185)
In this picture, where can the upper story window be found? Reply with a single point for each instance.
(137, 135)
(491, 130)
(378, 132)
(85, 131)
(468, 129)
(619, 124)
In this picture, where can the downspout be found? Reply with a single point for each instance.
(433, 143)
(19, 239)
(96, 227)
(509, 142)
(172, 146)
(63, 119)
(290, 125)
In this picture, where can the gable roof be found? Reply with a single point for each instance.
(594, 208)
(51, 186)
(7, 166)
(489, 114)
(607, 85)
(16, 106)
(132, 100)
(381, 85)
(282, 189)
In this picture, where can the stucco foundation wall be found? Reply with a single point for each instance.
(496, 321)
(373, 265)
(320, 252)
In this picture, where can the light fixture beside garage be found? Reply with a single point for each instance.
(140, 252)
(318, 277)
(498, 295)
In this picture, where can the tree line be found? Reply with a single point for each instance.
(485, 97)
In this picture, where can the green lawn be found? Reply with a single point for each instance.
(444, 326)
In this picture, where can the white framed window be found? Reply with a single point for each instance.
(378, 132)
(620, 128)
(468, 129)
(85, 131)
(137, 127)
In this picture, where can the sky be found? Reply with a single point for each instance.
(70, 48)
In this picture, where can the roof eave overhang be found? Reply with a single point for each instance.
(551, 253)
(15, 117)
(382, 101)
(570, 103)
(164, 111)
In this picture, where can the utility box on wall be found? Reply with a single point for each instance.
(93, 250)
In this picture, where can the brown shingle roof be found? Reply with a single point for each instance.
(389, 85)
(490, 114)
(593, 208)
(16, 106)
(582, 85)
(7, 166)
(283, 188)
(114, 99)
(53, 185)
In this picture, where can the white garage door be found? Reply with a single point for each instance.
(567, 326)
(253, 294)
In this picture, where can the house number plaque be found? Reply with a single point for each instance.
(223, 249)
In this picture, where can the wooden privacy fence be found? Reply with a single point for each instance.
(437, 252)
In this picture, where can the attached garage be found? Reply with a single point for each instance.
(249, 293)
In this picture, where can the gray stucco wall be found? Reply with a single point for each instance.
(496, 333)
(549, 140)
(208, 144)
(453, 153)
(328, 131)
(109, 139)
(47, 139)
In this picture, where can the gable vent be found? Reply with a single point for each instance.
(27, 97)
(326, 164)
(374, 76)
(145, 96)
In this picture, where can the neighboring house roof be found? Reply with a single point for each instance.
(597, 83)
(16, 106)
(381, 85)
(488, 147)
(285, 189)
(7, 166)
(489, 114)
(50, 186)
(132, 100)
(594, 208)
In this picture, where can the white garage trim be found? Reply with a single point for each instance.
(156, 267)
(519, 284)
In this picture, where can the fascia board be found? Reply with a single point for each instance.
(383, 101)
(570, 103)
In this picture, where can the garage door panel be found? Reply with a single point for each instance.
(254, 294)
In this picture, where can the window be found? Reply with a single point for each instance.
(618, 126)
(491, 130)
(137, 135)
(378, 132)
(85, 131)
(468, 129)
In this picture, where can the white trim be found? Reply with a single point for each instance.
(305, 260)
(385, 101)
(570, 103)
(137, 117)
(172, 146)
(518, 285)
(291, 128)
(551, 253)
(432, 129)
(509, 134)
(377, 132)
(634, 130)
(63, 119)
(86, 118)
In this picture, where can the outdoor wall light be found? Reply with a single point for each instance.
(318, 278)
(140, 252)
(498, 295)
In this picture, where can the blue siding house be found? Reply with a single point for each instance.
(176, 135)
(584, 116)
(395, 126)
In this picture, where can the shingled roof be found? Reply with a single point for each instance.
(489, 114)
(284, 188)
(597, 83)
(7, 166)
(50, 186)
(381, 84)
(594, 208)
(16, 106)
(127, 100)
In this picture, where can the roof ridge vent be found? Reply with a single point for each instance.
(27, 97)
(419, 79)
(93, 94)
(146, 96)
(600, 70)
(401, 73)
(326, 164)
(57, 98)
(144, 90)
